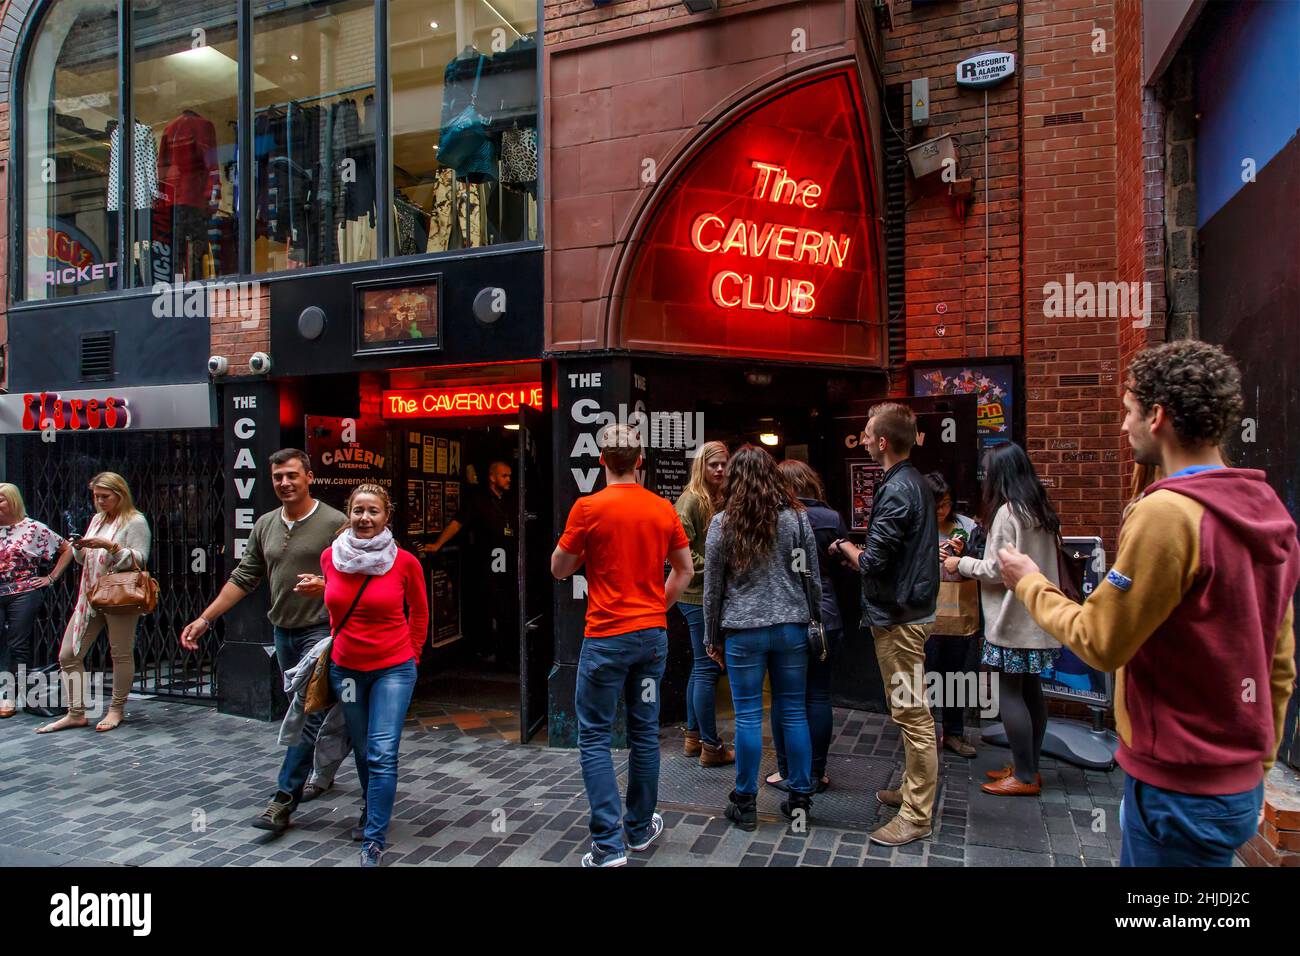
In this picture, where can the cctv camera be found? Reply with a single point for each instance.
(259, 363)
(218, 365)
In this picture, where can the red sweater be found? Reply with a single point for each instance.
(379, 633)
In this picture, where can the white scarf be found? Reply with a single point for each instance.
(364, 555)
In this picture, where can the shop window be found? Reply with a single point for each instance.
(313, 134)
(463, 89)
(70, 115)
(185, 87)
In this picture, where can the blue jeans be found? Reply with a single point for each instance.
(374, 708)
(630, 664)
(1165, 828)
(291, 643)
(780, 651)
(821, 718)
(702, 685)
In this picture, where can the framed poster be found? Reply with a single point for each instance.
(994, 383)
(450, 500)
(428, 461)
(441, 467)
(453, 457)
(432, 507)
(414, 506)
(397, 316)
(864, 476)
(444, 601)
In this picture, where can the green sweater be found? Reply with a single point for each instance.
(696, 525)
(282, 554)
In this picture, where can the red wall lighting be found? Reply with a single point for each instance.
(461, 401)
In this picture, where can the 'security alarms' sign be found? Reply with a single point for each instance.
(461, 401)
(77, 414)
(985, 69)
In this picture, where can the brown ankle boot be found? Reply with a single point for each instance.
(719, 756)
(691, 743)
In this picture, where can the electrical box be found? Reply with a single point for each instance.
(921, 101)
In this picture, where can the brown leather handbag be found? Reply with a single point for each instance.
(320, 694)
(125, 592)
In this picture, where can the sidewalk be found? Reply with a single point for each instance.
(178, 784)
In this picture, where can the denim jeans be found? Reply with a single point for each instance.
(702, 685)
(780, 651)
(291, 643)
(1165, 828)
(375, 707)
(821, 719)
(17, 619)
(630, 664)
(948, 655)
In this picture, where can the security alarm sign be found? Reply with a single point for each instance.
(985, 69)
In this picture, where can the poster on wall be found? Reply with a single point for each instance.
(432, 507)
(864, 476)
(442, 456)
(414, 506)
(339, 466)
(444, 601)
(453, 457)
(451, 499)
(992, 383)
(671, 471)
(428, 462)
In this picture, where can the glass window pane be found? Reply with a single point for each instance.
(185, 84)
(313, 133)
(464, 123)
(70, 111)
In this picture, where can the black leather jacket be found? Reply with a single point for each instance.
(900, 564)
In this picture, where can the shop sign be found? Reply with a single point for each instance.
(138, 408)
(461, 401)
(70, 255)
(79, 414)
(985, 69)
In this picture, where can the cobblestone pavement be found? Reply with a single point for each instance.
(178, 784)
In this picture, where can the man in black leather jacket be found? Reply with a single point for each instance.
(900, 587)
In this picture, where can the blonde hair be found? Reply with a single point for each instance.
(698, 485)
(368, 488)
(115, 483)
(15, 499)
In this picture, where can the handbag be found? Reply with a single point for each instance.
(519, 157)
(1068, 573)
(464, 144)
(125, 592)
(320, 695)
(818, 648)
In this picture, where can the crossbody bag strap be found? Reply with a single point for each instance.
(355, 601)
(814, 608)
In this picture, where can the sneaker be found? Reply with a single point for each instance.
(314, 790)
(359, 831)
(605, 859)
(371, 854)
(898, 832)
(656, 828)
(276, 815)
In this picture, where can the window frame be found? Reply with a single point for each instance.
(17, 299)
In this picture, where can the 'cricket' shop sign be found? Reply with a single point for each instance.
(985, 69)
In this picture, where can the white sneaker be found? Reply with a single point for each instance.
(609, 859)
(656, 828)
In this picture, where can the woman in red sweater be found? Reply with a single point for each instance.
(376, 650)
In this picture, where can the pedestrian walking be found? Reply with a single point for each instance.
(828, 526)
(379, 614)
(1017, 512)
(284, 549)
(695, 507)
(950, 644)
(26, 546)
(623, 534)
(900, 587)
(756, 614)
(117, 539)
(1196, 607)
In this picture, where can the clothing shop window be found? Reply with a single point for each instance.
(463, 94)
(313, 134)
(70, 110)
(185, 87)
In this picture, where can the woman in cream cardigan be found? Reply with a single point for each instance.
(117, 540)
(1016, 512)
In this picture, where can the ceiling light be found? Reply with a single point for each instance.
(433, 24)
(770, 439)
(512, 428)
(294, 57)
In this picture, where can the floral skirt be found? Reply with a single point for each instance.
(1013, 660)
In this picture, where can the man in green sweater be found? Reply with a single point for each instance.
(285, 547)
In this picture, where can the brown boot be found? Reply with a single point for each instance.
(890, 798)
(719, 756)
(691, 743)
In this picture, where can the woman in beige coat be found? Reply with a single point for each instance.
(1016, 512)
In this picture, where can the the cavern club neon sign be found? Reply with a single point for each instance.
(712, 234)
(463, 400)
(78, 414)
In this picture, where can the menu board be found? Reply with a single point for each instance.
(863, 478)
(432, 507)
(414, 506)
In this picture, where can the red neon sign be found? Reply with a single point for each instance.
(461, 400)
(77, 414)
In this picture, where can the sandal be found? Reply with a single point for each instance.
(108, 723)
(63, 723)
(777, 784)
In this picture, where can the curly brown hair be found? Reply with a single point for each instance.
(1197, 384)
(754, 494)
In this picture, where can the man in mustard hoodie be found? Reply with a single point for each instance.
(1195, 617)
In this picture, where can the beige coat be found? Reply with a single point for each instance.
(1006, 621)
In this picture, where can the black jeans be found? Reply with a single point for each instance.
(949, 655)
(17, 620)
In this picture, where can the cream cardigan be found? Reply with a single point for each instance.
(1006, 621)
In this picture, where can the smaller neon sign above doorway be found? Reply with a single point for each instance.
(461, 401)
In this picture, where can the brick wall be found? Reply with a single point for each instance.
(236, 342)
(577, 19)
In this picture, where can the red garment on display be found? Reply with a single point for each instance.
(187, 161)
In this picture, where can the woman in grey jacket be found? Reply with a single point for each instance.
(756, 553)
(1016, 512)
(118, 539)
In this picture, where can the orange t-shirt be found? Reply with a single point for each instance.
(627, 534)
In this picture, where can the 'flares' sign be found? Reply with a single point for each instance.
(77, 414)
(710, 233)
(461, 401)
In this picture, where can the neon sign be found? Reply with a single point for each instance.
(710, 233)
(461, 401)
(75, 414)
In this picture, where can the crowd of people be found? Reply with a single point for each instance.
(1196, 606)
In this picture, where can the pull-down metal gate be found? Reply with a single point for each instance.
(177, 483)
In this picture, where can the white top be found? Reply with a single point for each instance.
(289, 524)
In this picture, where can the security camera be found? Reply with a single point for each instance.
(218, 365)
(259, 363)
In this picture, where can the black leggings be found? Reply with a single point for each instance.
(17, 620)
(1024, 715)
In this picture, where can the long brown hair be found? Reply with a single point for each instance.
(754, 494)
(699, 482)
(803, 480)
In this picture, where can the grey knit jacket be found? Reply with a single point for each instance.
(772, 592)
(135, 539)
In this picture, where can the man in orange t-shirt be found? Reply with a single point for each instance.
(623, 534)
